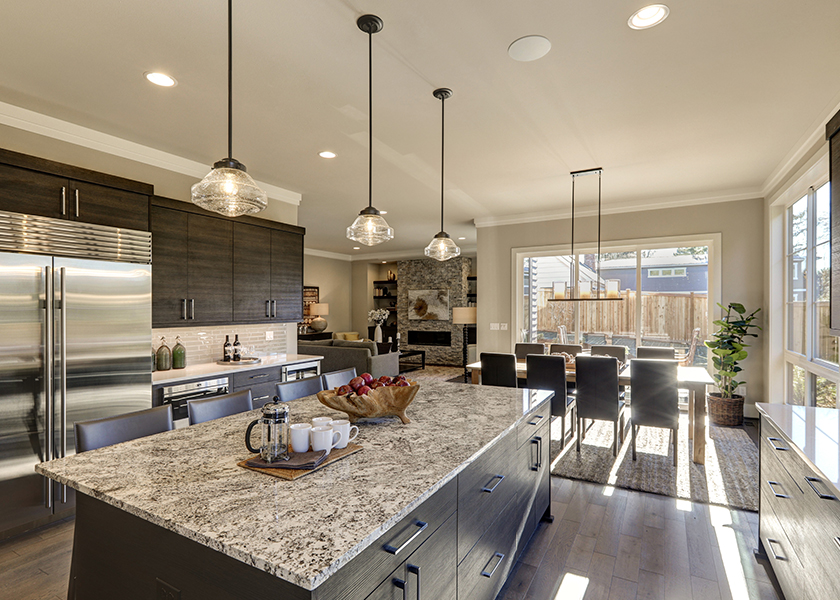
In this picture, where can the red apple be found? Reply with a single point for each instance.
(356, 383)
(376, 384)
(363, 390)
(384, 379)
(367, 377)
(403, 383)
(343, 390)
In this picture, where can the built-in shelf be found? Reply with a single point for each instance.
(385, 282)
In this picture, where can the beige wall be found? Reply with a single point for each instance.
(334, 280)
(739, 224)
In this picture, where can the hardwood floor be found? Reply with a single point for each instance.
(36, 565)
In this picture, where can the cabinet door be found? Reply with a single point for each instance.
(287, 276)
(169, 266)
(32, 193)
(109, 206)
(251, 273)
(210, 269)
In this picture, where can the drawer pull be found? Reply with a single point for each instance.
(260, 376)
(775, 447)
(498, 555)
(775, 493)
(184, 309)
(489, 490)
(837, 541)
(770, 543)
(400, 583)
(192, 308)
(77, 204)
(416, 571)
(268, 309)
(392, 550)
(822, 496)
(535, 465)
(63, 200)
(261, 398)
(536, 421)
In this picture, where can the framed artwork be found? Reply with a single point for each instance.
(428, 305)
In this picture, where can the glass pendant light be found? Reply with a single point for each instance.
(228, 189)
(442, 247)
(370, 228)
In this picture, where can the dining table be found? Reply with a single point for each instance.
(692, 379)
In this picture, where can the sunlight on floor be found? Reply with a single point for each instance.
(573, 587)
(727, 541)
(683, 505)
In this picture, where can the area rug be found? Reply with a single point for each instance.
(729, 477)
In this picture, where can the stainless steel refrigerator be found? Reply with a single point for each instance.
(75, 344)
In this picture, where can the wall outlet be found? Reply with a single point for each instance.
(494, 327)
(166, 592)
(269, 335)
(504, 326)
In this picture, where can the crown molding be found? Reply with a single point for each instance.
(325, 254)
(41, 124)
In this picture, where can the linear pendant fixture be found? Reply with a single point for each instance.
(442, 247)
(370, 228)
(586, 295)
(228, 189)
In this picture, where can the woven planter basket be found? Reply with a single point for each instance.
(728, 412)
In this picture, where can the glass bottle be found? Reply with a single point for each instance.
(228, 350)
(237, 349)
(179, 354)
(164, 356)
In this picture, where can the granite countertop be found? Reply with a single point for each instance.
(213, 369)
(304, 530)
(815, 433)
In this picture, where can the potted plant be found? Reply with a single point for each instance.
(728, 349)
(378, 316)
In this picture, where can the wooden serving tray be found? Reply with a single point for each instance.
(291, 474)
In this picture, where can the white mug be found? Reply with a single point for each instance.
(300, 437)
(344, 427)
(324, 438)
(318, 421)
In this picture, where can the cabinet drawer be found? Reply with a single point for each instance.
(786, 565)
(484, 488)
(366, 571)
(532, 423)
(484, 570)
(252, 377)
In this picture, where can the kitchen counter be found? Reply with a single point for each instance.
(214, 370)
(301, 531)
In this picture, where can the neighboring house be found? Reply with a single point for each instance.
(662, 271)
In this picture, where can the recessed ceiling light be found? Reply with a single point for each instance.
(648, 16)
(463, 238)
(528, 48)
(356, 248)
(384, 262)
(326, 154)
(160, 79)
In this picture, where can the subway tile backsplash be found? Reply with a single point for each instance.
(205, 344)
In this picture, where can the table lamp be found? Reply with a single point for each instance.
(318, 324)
(464, 316)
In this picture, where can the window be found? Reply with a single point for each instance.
(675, 272)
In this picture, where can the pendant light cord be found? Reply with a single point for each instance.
(230, 78)
(370, 118)
(572, 277)
(598, 281)
(442, 133)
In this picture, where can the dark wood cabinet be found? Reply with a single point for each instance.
(40, 187)
(169, 266)
(287, 276)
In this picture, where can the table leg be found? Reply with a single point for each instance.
(690, 413)
(699, 425)
(476, 376)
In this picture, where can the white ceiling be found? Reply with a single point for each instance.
(710, 104)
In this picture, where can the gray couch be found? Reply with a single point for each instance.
(343, 354)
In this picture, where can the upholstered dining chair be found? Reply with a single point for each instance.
(619, 352)
(498, 368)
(573, 349)
(598, 396)
(298, 388)
(655, 352)
(335, 379)
(207, 409)
(549, 373)
(98, 433)
(521, 350)
(655, 398)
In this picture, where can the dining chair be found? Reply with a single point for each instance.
(298, 388)
(98, 433)
(619, 352)
(573, 349)
(598, 396)
(335, 379)
(655, 352)
(521, 350)
(498, 368)
(207, 409)
(549, 373)
(655, 398)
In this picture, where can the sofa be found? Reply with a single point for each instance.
(343, 354)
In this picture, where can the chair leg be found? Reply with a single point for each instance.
(633, 434)
(621, 429)
(562, 432)
(582, 429)
(615, 437)
(577, 442)
(676, 446)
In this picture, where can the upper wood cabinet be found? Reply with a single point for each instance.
(209, 269)
(37, 186)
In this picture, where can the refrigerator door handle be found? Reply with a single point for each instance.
(62, 340)
(49, 300)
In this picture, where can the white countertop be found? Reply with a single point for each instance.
(814, 432)
(213, 369)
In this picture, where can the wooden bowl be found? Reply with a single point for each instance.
(381, 402)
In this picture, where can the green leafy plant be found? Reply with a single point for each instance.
(728, 347)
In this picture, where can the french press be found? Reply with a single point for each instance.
(274, 426)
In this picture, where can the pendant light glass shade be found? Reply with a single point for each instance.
(370, 228)
(228, 189)
(442, 247)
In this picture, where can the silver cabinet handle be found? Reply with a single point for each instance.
(261, 398)
(77, 203)
(274, 309)
(400, 583)
(184, 309)
(775, 493)
(260, 376)
(63, 200)
(773, 550)
(498, 555)
(49, 352)
(535, 441)
(62, 340)
(837, 541)
(536, 421)
(822, 496)
(268, 309)
(489, 490)
(775, 447)
(192, 308)
(414, 569)
(392, 550)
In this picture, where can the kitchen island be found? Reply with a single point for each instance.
(460, 489)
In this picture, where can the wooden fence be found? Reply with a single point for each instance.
(668, 316)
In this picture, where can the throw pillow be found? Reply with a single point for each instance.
(351, 336)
